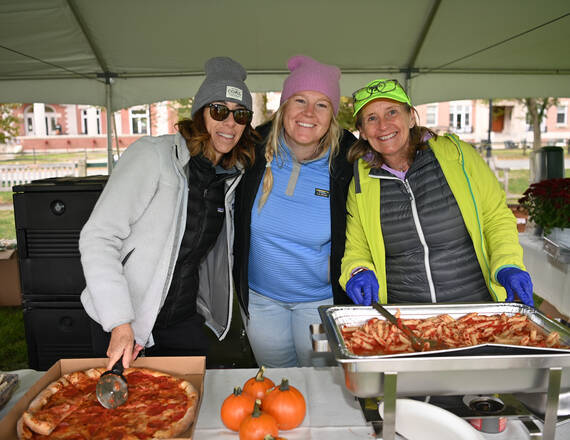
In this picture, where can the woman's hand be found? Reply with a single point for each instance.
(362, 288)
(517, 281)
(122, 344)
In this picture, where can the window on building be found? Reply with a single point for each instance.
(139, 119)
(29, 125)
(90, 120)
(561, 114)
(98, 120)
(84, 121)
(51, 120)
(431, 115)
(460, 116)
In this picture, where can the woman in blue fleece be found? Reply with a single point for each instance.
(290, 217)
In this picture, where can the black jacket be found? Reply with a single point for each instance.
(341, 174)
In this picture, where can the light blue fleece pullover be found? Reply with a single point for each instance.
(291, 235)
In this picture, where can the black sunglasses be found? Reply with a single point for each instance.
(220, 112)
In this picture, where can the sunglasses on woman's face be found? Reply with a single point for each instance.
(219, 112)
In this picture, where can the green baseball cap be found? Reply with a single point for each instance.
(379, 88)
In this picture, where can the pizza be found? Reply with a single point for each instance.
(379, 337)
(158, 406)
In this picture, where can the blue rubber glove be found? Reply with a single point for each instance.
(362, 288)
(517, 281)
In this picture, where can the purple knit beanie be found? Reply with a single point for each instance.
(309, 74)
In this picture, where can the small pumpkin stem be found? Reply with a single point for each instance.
(237, 391)
(284, 384)
(256, 409)
(259, 375)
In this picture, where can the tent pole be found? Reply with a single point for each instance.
(490, 121)
(109, 126)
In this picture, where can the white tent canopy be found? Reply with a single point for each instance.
(60, 51)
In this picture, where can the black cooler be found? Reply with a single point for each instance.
(49, 215)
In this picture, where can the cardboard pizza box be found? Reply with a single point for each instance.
(191, 369)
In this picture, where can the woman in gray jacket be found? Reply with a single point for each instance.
(156, 251)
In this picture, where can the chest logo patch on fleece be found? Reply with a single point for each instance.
(322, 192)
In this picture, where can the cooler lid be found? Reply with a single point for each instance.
(69, 183)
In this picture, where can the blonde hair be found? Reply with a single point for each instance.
(272, 148)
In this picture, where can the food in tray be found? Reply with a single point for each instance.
(159, 406)
(379, 337)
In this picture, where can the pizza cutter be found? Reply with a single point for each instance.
(112, 389)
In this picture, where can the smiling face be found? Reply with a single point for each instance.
(386, 126)
(224, 135)
(306, 119)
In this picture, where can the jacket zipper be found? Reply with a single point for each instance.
(419, 230)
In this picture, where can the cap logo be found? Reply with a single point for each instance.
(234, 93)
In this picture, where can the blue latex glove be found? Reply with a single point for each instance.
(517, 281)
(362, 288)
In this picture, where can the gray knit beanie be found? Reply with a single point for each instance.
(224, 82)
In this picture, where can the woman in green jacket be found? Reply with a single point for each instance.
(426, 218)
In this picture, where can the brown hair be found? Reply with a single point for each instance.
(329, 141)
(197, 140)
(417, 141)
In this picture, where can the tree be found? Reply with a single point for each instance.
(536, 108)
(9, 122)
(345, 111)
(183, 107)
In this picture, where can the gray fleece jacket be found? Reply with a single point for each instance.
(130, 243)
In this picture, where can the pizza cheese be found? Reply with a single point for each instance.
(159, 406)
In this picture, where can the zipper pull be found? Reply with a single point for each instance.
(408, 189)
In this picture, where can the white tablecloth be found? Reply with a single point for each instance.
(332, 412)
(551, 278)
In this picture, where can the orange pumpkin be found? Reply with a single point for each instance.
(257, 386)
(286, 404)
(236, 407)
(258, 425)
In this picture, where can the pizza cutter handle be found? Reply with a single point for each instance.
(118, 367)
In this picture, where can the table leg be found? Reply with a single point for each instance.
(390, 386)
(552, 397)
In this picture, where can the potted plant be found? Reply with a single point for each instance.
(548, 206)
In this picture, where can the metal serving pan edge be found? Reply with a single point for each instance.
(482, 369)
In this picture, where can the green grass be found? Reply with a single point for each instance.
(7, 225)
(5, 197)
(13, 349)
(518, 153)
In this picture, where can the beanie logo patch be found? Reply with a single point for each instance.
(234, 93)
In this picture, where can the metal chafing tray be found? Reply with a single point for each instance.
(483, 369)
